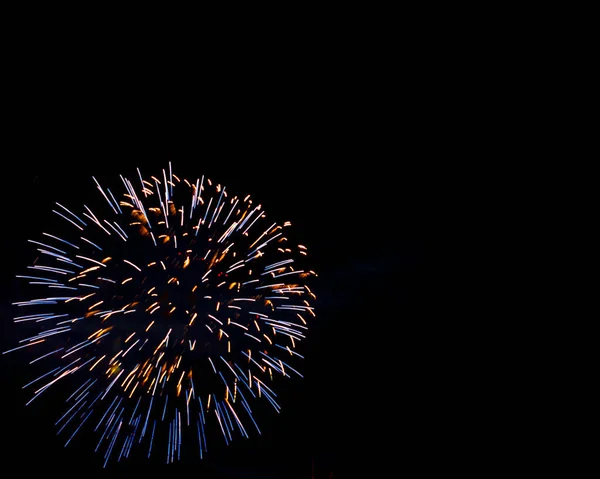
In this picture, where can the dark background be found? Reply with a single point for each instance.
(357, 176)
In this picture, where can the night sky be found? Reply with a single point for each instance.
(364, 211)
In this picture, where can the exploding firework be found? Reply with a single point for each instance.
(168, 311)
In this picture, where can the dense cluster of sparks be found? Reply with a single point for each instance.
(168, 312)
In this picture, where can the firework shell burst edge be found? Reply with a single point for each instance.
(170, 310)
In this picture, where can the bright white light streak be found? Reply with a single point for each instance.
(93, 244)
(213, 366)
(91, 260)
(253, 337)
(142, 182)
(39, 278)
(130, 263)
(115, 230)
(61, 240)
(105, 197)
(262, 215)
(95, 220)
(46, 355)
(231, 211)
(265, 243)
(72, 214)
(121, 229)
(68, 219)
(216, 208)
(47, 246)
(130, 347)
(50, 269)
(24, 346)
(260, 237)
(113, 198)
(112, 383)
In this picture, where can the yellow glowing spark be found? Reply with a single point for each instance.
(94, 365)
(95, 304)
(115, 356)
(133, 390)
(97, 333)
(151, 384)
(152, 305)
(85, 271)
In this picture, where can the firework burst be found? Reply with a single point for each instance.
(169, 310)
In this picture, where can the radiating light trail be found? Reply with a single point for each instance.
(184, 303)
